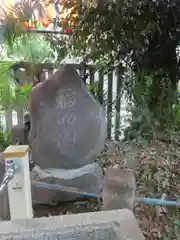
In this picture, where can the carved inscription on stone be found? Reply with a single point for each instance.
(66, 99)
(66, 120)
(66, 141)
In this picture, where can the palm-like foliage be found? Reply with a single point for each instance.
(29, 48)
(7, 86)
(34, 50)
(19, 45)
(13, 17)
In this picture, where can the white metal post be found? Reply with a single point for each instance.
(19, 188)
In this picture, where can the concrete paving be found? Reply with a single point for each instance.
(105, 225)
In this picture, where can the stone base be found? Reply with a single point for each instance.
(88, 179)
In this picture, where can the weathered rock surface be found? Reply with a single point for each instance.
(88, 178)
(106, 225)
(119, 189)
(19, 133)
(68, 127)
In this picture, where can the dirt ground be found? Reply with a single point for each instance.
(157, 173)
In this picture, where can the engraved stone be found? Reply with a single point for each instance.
(68, 127)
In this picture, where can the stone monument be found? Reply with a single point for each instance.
(68, 132)
(68, 127)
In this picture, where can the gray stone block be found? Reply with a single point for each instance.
(68, 126)
(107, 225)
(119, 189)
(88, 179)
(19, 133)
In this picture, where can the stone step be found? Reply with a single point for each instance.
(105, 225)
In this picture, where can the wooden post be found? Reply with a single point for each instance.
(109, 104)
(118, 104)
(9, 116)
(100, 87)
(19, 188)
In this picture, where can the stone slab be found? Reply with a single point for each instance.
(118, 189)
(105, 225)
(63, 185)
(19, 133)
(87, 179)
(68, 126)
